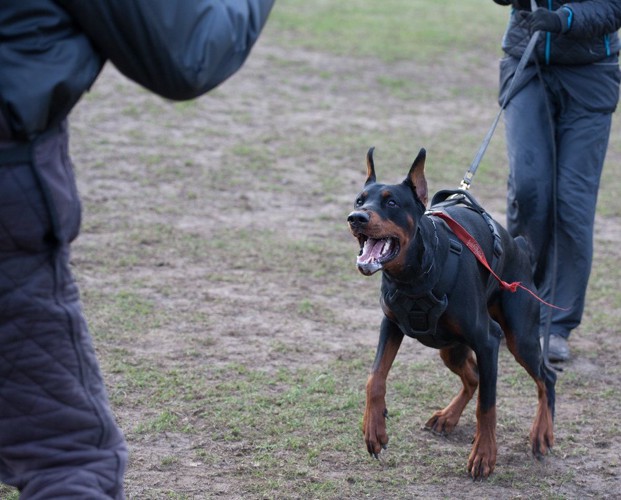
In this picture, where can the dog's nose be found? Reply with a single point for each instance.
(358, 218)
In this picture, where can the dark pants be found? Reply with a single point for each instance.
(58, 438)
(577, 140)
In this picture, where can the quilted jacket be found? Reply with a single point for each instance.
(59, 47)
(592, 34)
(58, 437)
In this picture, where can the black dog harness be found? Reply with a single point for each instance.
(417, 309)
(452, 197)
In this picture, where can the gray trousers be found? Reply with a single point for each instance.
(58, 437)
(576, 138)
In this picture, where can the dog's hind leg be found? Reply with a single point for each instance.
(528, 354)
(460, 360)
(542, 430)
(523, 341)
(374, 422)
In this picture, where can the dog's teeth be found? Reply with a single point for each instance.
(373, 254)
(385, 247)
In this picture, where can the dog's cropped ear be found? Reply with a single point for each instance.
(416, 177)
(370, 167)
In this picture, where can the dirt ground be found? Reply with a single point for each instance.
(215, 253)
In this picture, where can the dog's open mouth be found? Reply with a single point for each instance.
(374, 253)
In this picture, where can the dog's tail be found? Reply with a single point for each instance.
(524, 246)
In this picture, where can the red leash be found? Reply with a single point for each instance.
(477, 251)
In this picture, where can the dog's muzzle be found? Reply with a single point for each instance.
(374, 252)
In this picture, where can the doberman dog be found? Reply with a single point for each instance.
(434, 290)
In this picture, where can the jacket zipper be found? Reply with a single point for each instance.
(548, 39)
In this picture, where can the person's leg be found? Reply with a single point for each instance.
(582, 138)
(529, 150)
(58, 438)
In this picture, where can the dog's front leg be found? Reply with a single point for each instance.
(374, 422)
(482, 459)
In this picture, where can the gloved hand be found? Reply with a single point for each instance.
(552, 21)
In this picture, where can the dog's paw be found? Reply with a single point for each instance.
(482, 459)
(542, 431)
(374, 430)
(542, 440)
(442, 423)
(479, 468)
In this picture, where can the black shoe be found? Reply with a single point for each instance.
(558, 349)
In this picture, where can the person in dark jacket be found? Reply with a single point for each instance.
(58, 437)
(558, 123)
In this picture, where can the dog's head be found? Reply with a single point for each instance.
(386, 217)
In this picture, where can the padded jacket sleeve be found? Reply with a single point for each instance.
(592, 35)
(46, 64)
(178, 49)
(594, 18)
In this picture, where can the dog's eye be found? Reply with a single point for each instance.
(392, 203)
(359, 202)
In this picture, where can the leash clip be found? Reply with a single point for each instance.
(465, 183)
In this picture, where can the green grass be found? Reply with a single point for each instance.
(8, 493)
(391, 30)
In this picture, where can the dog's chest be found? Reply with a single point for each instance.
(417, 315)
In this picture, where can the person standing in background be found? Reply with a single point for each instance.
(557, 124)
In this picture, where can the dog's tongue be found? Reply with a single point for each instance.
(372, 252)
(374, 249)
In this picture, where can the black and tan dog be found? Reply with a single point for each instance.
(436, 291)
